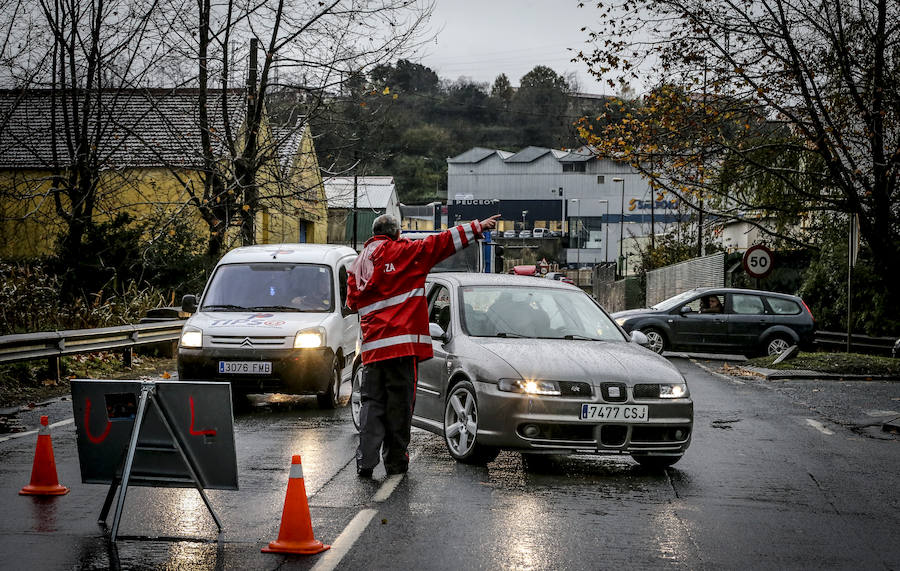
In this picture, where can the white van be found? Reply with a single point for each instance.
(540, 233)
(273, 318)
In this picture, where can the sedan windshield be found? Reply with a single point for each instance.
(534, 312)
(270, 287)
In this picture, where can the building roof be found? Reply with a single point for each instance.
(373, 192)
(288, 141)
(138, 127)
(526, 155)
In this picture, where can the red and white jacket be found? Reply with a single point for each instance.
(386, 286)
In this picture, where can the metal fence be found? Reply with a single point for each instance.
(836, 341)
(663, 283)
(52, 345)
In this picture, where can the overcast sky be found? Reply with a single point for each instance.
(481, 39)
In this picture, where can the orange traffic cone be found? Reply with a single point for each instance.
(295, 534)
(43, 472)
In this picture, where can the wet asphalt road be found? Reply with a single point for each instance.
(794, 474)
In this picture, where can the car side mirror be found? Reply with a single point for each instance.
(437, 332)
(686, 309)
(639, 338)
(189, 303)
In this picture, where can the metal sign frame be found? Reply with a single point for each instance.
(163, 442)
(148, 389)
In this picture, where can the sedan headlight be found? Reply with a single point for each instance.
(310, 339)
(529, 386)
(673, 391)
(192, 338)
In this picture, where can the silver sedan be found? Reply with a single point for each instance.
(538, 366)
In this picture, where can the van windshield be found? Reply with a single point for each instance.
(270, 287)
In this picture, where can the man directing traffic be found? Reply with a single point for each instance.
(386, 286)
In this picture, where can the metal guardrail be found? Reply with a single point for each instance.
(54, 344)
(858, 343)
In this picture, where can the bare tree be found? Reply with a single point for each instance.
(769, 106)
(68, 63)
(308, 51)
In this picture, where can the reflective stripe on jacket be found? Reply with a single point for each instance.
(393, 312)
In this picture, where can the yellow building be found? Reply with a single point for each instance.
(147, 150)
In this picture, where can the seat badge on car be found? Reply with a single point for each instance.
(246, 342)
(614, 392)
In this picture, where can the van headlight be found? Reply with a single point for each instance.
(310, 338)
(673, 391)
(192, 338)
(529, 386)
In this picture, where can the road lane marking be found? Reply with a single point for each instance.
(344, 542)
(819, 426)
(30, 432)
(387, 488)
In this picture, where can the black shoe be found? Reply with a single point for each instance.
(364, 472)
(402, 470)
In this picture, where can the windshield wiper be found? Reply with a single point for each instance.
(227, 307)
(274, 308)
(509, 334)
(572, 337)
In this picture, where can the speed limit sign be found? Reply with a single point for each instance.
(758, 261)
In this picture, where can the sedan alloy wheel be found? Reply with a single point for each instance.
(461, 427)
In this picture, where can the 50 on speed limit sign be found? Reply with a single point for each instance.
(757, 261)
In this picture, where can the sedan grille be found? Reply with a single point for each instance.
(646, 391)
(574, 389)
(613, 392)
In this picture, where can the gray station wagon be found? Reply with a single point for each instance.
(724, 320)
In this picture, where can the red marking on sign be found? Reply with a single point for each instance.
(87, 424)
(193, 432)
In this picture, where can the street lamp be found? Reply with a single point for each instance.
(621, 222)
(577, 223)
(606, 226)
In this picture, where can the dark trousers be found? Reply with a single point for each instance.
(388, 394)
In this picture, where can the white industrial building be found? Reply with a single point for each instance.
(595, 201)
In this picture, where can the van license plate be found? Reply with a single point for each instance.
(245, 367)
(615, 412)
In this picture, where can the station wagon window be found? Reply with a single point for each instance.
(744, 304)
(781, 306)
(703, 305)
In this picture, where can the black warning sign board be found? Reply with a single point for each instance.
(199, 414)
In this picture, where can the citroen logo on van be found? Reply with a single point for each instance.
(246, 342)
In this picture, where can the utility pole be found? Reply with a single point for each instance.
(355, 203)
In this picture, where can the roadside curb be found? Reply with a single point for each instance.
(802, 374)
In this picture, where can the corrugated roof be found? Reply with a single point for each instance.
(372, 191)
(579, 155)
(528, 154)
(138, 128)
(473, 155)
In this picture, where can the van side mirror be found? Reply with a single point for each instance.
(345, 311)
(189, 303)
